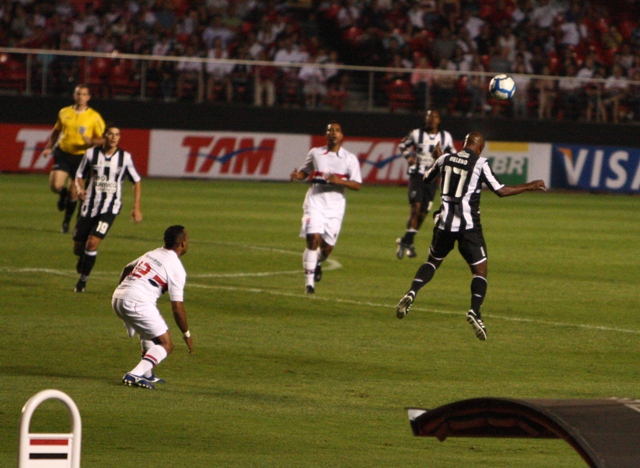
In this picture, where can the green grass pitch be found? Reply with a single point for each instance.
(280, 379)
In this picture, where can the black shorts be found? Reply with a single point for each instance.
(422, 193)
(97, 226)
(66, 162)
(471, 245)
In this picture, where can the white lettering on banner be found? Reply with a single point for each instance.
(597, 168)
(516, 166)
(574, 171)
(617, 169)
(635, 185)
(30, 140)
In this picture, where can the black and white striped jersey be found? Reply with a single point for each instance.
(423, 144)
(105, 174)
(462, 175)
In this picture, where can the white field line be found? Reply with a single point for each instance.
(331, 265)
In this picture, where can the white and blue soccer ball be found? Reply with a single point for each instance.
(502, 87)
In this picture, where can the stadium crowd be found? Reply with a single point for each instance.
(564, 40)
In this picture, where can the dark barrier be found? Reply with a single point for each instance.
(207, 116)
(605, 432)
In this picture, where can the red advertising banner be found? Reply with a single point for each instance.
(23, 145)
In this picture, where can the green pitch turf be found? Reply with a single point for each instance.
(281, 379)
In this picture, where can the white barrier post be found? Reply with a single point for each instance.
(50, 450)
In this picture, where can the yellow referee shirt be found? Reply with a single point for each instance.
(73, 125)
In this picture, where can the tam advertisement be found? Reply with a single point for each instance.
(596, 168)
(22, 147)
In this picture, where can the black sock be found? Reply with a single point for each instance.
(71, 207)
(79, 263)
(478, 291)
(408, 237)
(62, 198)
(88, 260)
(423, 276)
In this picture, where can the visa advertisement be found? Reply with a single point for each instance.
(596, 168)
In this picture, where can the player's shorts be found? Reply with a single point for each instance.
(471, 245)
(316, 223)
(97, 226)
(140, 317)
(419, 192)
(66, 162)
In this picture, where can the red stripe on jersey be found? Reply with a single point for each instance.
(49, 442)
(320, 175)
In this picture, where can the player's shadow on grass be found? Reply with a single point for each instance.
(36, 371)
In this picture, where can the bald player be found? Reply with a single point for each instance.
(458, 220)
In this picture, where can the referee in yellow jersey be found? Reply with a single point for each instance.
(77, 129)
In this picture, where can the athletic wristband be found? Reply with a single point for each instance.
(187, 334)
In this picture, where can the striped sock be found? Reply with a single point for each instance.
(309, 262)
(152, 358)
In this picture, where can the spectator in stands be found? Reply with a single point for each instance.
(215, 30)
(241, 77)
(266, 37)
(459, 61)
(499, 62)
(218, 74)
(348, 15)
(422, 82)
(571, 93)
(612, 38)
(615, 91)
(64, 9)
(450, 12)
(520, 14)
(443, 87)
(189, 75)
(521, 97)
(165, 16)
(634, 96)
(477, 89)
(335, 78)
(398, 65)
(484, 41)
(568, 32)
(471, 23)
(546, 94)
(66, 69)
(507, 40)
(313, 84)
(265, 78)
(468, 45)
(544, 14)
(443, 45)
(594, 94)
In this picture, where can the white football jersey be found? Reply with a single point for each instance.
(322, 196)
(155, 272)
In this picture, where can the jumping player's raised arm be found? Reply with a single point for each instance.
(509, 190)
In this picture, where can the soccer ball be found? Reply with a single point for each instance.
(502, 87)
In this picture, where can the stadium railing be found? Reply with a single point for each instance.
(354, 88)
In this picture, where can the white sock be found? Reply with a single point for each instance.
(309, 261)
(152, 358)
(146, 345)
